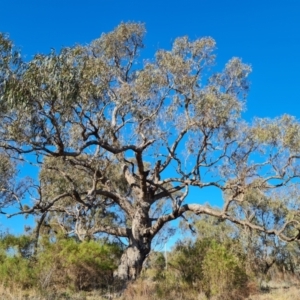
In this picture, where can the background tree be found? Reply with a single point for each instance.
(119, 143)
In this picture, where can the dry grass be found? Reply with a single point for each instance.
(15, 293)
(144, 290)
(292, 293)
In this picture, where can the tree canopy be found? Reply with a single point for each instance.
(119, 142)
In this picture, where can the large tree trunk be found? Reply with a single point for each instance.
(138, 249)
(132, 262)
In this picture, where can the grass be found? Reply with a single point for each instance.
(145, 291)
(291, 293)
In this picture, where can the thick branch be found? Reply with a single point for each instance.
(117, 231)
(200, 209)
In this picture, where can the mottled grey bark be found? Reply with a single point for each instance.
(139, 246)
(132, 261)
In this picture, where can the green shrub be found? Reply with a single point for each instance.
(16, 266)
(203, 266)
(77, 266)
(17, 271)
(61, 265)
(224, 274)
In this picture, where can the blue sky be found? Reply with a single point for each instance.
(265, 34)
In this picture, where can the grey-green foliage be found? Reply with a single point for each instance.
(57, 177)
(119, 143)
(7, 176)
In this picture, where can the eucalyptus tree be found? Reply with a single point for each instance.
(120, 142)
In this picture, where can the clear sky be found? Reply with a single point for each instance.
(264, 33)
